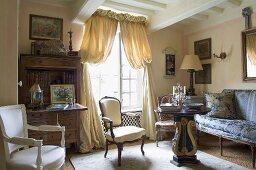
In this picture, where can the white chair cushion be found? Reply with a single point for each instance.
(53, 157)
(126, 133)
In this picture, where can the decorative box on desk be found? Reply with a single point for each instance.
(68, 117)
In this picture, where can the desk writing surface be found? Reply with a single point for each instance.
(74, 107)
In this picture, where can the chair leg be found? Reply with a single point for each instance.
(253, 155)
(120, 148)
(157, 136)
(197, 135)
(142, 144)
(106, 151)
(220, 141)
(63, 167)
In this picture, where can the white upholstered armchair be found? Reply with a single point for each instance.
(18, 154)
(116, 133)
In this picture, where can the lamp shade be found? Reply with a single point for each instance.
(191, 62)
(35, 88)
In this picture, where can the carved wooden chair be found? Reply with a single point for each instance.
(165, 121)
(116, 133)
(18, 154)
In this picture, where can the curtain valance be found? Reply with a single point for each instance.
(121, 17)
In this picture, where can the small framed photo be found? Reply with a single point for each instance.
(204, 76)
(202, 48)
(62, 93)
(45, 28)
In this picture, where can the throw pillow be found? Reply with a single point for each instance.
(221, 105)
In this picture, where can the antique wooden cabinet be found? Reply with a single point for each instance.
(48, 70)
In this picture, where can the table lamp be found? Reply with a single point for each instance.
(192, 64)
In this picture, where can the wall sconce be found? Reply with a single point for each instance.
(222, 55)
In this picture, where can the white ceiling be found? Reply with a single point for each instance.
(161, 13)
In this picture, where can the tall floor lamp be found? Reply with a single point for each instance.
(192, 64)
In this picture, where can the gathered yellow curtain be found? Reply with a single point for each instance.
(98, 38)
(136, 44)
(149, 118)
(251, 47)
(96, 46)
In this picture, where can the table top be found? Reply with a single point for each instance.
(184, 111)
(73, 107)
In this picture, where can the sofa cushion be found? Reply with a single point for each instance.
(242, 129)
(245, 104)
(221, 104)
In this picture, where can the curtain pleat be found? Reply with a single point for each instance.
(134, 38)
(149, 103)
(91, 132)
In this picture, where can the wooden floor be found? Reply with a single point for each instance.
(233, 152)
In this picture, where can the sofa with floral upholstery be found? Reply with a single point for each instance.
(232, 116)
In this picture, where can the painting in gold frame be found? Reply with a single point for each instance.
(62, 93)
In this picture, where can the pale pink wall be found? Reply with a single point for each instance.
(159, 40)
(8, 59)
(8, 52)
(225, 37)
(27, 7)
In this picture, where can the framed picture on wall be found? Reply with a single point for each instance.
(45, 28)
(204, 76)
(203, 48)
(169, 64)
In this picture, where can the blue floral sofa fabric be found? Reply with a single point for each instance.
(238, 124)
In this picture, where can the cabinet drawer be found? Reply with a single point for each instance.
(69, 120)
(41, 119)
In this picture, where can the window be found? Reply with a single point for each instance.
(116, 78)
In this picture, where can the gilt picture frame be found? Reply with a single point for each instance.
(45, 28)
(62, 93)
(203, 48)
(204, 76)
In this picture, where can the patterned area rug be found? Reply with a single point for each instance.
(156, 158)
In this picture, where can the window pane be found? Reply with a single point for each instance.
(125, 72)
(133, 73)
(125, 86)
(134, 99)
(125, 99)
(133, 85)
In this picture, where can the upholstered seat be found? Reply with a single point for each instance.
(116, 133)
(125, 133)
(18, 154)
(167, 124)
(52, 156)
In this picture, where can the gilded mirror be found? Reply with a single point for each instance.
(249, 54)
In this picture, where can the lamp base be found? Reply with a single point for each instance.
(191, 92)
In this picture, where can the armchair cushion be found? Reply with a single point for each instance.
(52, 156)
(125, 133)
